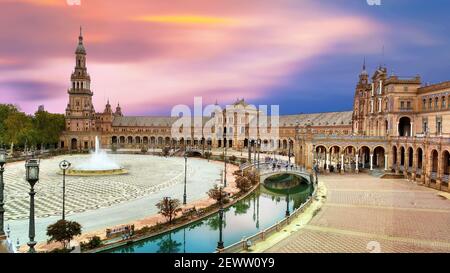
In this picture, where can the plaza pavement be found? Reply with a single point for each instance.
(362, 213)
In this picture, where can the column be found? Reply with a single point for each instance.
(406, 164)
(328, 162)
(357, 163)
(342, 163)
(398, 133)
(363, 161)
(371, 162)
(412, 131)
(399, 159)
(439, 172)
(414, 167)
(386, 162)
(427, 170)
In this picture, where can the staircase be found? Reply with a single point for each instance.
(377, 173)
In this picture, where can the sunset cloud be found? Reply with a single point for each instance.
(151, 55)
(186, 19)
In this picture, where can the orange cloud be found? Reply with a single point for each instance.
(186, 19)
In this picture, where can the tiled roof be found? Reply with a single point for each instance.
(318, 119)
(147, 121)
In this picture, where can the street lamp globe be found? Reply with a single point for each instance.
(2, 157)
(32, 170)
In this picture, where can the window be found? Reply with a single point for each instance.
(408, 105)
(424, 104)
(402, 105)
(371, 106)
(430, 104)
(373, 89)
(424, 125)
(443, 105)
(405, 88)
(438, 125)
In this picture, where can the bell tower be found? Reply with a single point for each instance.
(80, 113)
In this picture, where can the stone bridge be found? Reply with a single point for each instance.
(266, 170)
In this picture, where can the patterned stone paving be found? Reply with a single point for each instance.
(367, 214)
(147, 174)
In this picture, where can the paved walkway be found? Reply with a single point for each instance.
(367, 214)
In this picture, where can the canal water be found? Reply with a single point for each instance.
(258, 211)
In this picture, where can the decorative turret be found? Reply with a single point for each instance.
(118, 110)
(364, 76)
(108, 109)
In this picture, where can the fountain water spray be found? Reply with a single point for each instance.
(98, 164)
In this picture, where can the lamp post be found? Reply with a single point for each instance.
(32, 176)
(64, 165)
(2, 186)
(220, 245)
(185, 176)
(225, 160)
(289, 152)
(288, 213)
(259, 149)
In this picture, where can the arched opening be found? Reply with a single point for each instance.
(349, 158)
(434, 164)
(130, 140)
(410, 158)
(167, 140)
(145, 140)
(445, 167)
(74, 144)
(245, 143)
(419, 158)
(394, 155)
(122, 140)
(335, 160)
(364, 155)
(404, 126)
(114, 140)
(379, 158)
(402, 158)
(285, 144)
(321, 156)
(152, 140)
(138, 140)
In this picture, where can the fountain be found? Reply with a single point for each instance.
(98, 164)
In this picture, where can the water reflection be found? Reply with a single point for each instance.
(260, 210)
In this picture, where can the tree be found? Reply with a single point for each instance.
(18, 126)
(63, 232)
(218, 194)
(243, 183)
(169, 208)
(48, 126)
(5, 111)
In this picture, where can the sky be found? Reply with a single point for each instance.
(150, 55)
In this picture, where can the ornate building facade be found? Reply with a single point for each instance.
(397, 125)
